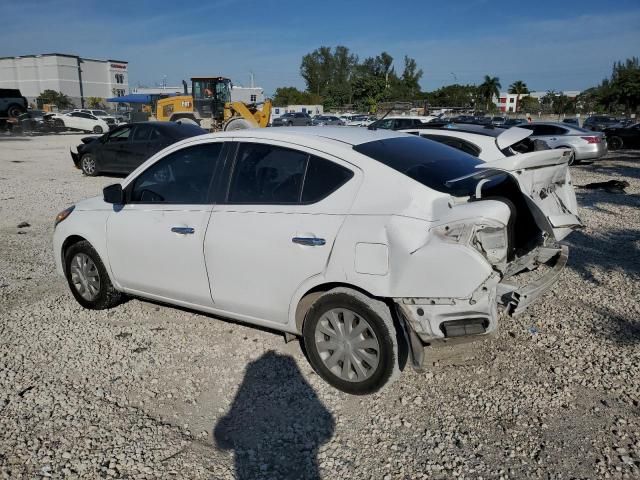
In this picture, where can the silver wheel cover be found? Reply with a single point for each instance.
(85, 276)
(88, 164)
(347, 345)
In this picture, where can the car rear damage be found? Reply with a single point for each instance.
(524, 206)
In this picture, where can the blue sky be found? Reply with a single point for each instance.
(561, 45)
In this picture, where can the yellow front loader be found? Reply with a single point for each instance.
(210, 106)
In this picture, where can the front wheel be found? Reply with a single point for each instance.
(615, 143)
(88, 165)
(97, 129)
(351, 341)
(58, 123)
(88, 279)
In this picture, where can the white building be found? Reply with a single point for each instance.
(78, 78)
(507, 101)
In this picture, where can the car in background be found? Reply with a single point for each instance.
(292, 120)
(400, 122)
(512, 122)
(599, 122)
(79, 121)
(322, 120)
(498, 121)
(12, 103)
(584, 144)
(486, 143)
(391, 242)
(128, 146)
(572, 121)
(361, 120)
(623, 137)
(111, 120)
(35, 121)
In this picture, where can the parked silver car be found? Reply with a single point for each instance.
(292, 120)
(584, 144)
(323, 120)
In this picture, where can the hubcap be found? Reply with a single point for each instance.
(84, 276)
(88, 164)
(347, 345)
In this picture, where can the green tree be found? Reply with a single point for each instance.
(529, 105)
(292, 96)
(95, 102)
(489, 88)
(56, 98)
(518, 88)
(546, 102)
(625, 84)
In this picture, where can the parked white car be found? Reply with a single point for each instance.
(80, 121)
(486, 143)
(368, 244)
(400, 122)
(101, 114)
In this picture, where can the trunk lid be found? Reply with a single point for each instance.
(545, 181)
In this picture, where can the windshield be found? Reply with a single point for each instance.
(218, 89)
(100, 113)
(425, 161)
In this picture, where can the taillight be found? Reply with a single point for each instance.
(592, 139)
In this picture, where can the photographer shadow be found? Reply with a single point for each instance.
(276, 423)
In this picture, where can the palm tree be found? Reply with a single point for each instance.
(518, 88)
(490, 88)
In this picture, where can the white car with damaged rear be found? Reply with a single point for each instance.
(370, 245)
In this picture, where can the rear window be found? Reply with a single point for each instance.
(425, 161)
(186, 130)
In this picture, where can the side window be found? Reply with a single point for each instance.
(265, 174)
(121, 135)
(155, 134)
(559, 131)
(183, 177)
(322, 179)
(385, 124)
(142, 132)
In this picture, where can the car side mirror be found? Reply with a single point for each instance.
(113, 194)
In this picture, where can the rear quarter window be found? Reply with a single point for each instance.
(425, 161)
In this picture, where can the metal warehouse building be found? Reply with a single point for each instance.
(76, 77)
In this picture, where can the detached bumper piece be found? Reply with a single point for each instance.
(516, 299)
(76, 158)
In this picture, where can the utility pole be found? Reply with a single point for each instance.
(80, 82)
(252, 84)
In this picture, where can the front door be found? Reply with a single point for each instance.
(275, 229)
(113, 156)
(156, 239)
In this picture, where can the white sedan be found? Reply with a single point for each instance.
(80, 121)
(367, 244)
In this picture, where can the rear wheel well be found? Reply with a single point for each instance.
(316, 292)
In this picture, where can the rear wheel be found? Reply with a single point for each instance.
(351, 341)
(88, 165)
(97, 129)
(88, 279)
(58, 122)
(615, 143)
(15, 110)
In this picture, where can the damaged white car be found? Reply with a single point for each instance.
(370, 245)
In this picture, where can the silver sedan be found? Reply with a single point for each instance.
(585, 144)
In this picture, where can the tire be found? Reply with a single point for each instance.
(352, 367)
(88, 279)
(88, 165)
(236, 123)
(98, 129)
(58, 123)
(615, 143)
(15, 110)
(290, 124)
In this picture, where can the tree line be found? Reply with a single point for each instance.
(338, 78)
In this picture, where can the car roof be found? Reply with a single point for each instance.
(346, 135)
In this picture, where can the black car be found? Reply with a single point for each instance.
(126, 147)
(623, 137)
(512, 122)
(572, 121)
(599, 122)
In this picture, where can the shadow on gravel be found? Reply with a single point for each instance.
(621, 329)
(614, 250)
(276, 423)
(598, 199)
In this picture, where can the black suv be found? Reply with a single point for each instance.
(12, 103)
(599, 122)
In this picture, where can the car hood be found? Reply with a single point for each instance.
(93, 204)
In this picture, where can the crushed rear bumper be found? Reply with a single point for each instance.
(452, 320)
(76, 158)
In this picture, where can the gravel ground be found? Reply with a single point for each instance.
(147, 391)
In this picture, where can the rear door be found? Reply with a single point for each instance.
(275, 228)
(544, 178)
(113, 155)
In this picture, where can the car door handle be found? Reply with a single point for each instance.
(183, 230)
(309, 241)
